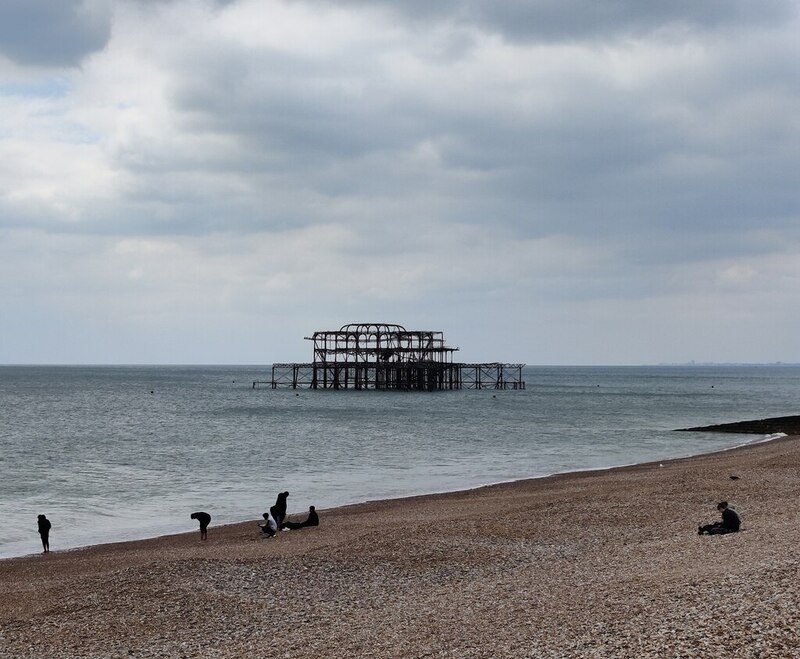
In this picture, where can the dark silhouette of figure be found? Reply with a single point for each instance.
(730, 522)
(311, 520)
(205, 520)
(278, 511)
(269, 527)
(44, 531)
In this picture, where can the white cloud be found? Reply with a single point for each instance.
(335, 161)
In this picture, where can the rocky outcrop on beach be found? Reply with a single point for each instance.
(789, 425)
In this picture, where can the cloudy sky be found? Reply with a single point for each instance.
(547, 181)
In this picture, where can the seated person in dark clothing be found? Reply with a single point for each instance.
(730, 521)
(311, 520)
(205, 520)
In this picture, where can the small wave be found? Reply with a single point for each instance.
(759, 440)
(775, 435)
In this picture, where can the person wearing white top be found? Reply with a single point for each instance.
(269, 527)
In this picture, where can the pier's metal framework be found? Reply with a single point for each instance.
(386, 356)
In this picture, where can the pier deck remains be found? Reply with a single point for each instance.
(390, 357)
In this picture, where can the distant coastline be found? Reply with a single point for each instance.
(725, 364)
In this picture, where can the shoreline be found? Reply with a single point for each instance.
(585, 564)
(763, 439)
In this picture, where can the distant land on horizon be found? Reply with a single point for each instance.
(694, 363)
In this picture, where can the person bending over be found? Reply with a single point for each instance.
(311, 520)
(730, 521)
(44, 532)
(269, 527)
(278, 511)
(205, 520)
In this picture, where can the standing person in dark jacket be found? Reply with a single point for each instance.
(205, 520)
(44, 531)
(730, 521)
(278, 511)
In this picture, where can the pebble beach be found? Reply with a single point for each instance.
(588, 564)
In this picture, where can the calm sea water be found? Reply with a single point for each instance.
(114, 453)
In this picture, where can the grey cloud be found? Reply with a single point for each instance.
(550, 20)
(578, 19)
(305, 139)
(604, 172)
(220, 3)
(52, 32)
(300, 111)
(511, 194)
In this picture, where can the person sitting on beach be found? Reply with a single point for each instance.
(269, 527)
(311, 520)
(278, 511)
(205, 520)
(730, 521)
(44, 532)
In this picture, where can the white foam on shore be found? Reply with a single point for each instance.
(768, 438)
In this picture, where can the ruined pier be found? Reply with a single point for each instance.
(389, 357)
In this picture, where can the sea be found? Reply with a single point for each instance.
(113, 453)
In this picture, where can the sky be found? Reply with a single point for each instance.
(545, 181)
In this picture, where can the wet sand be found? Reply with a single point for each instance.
(593, 564)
